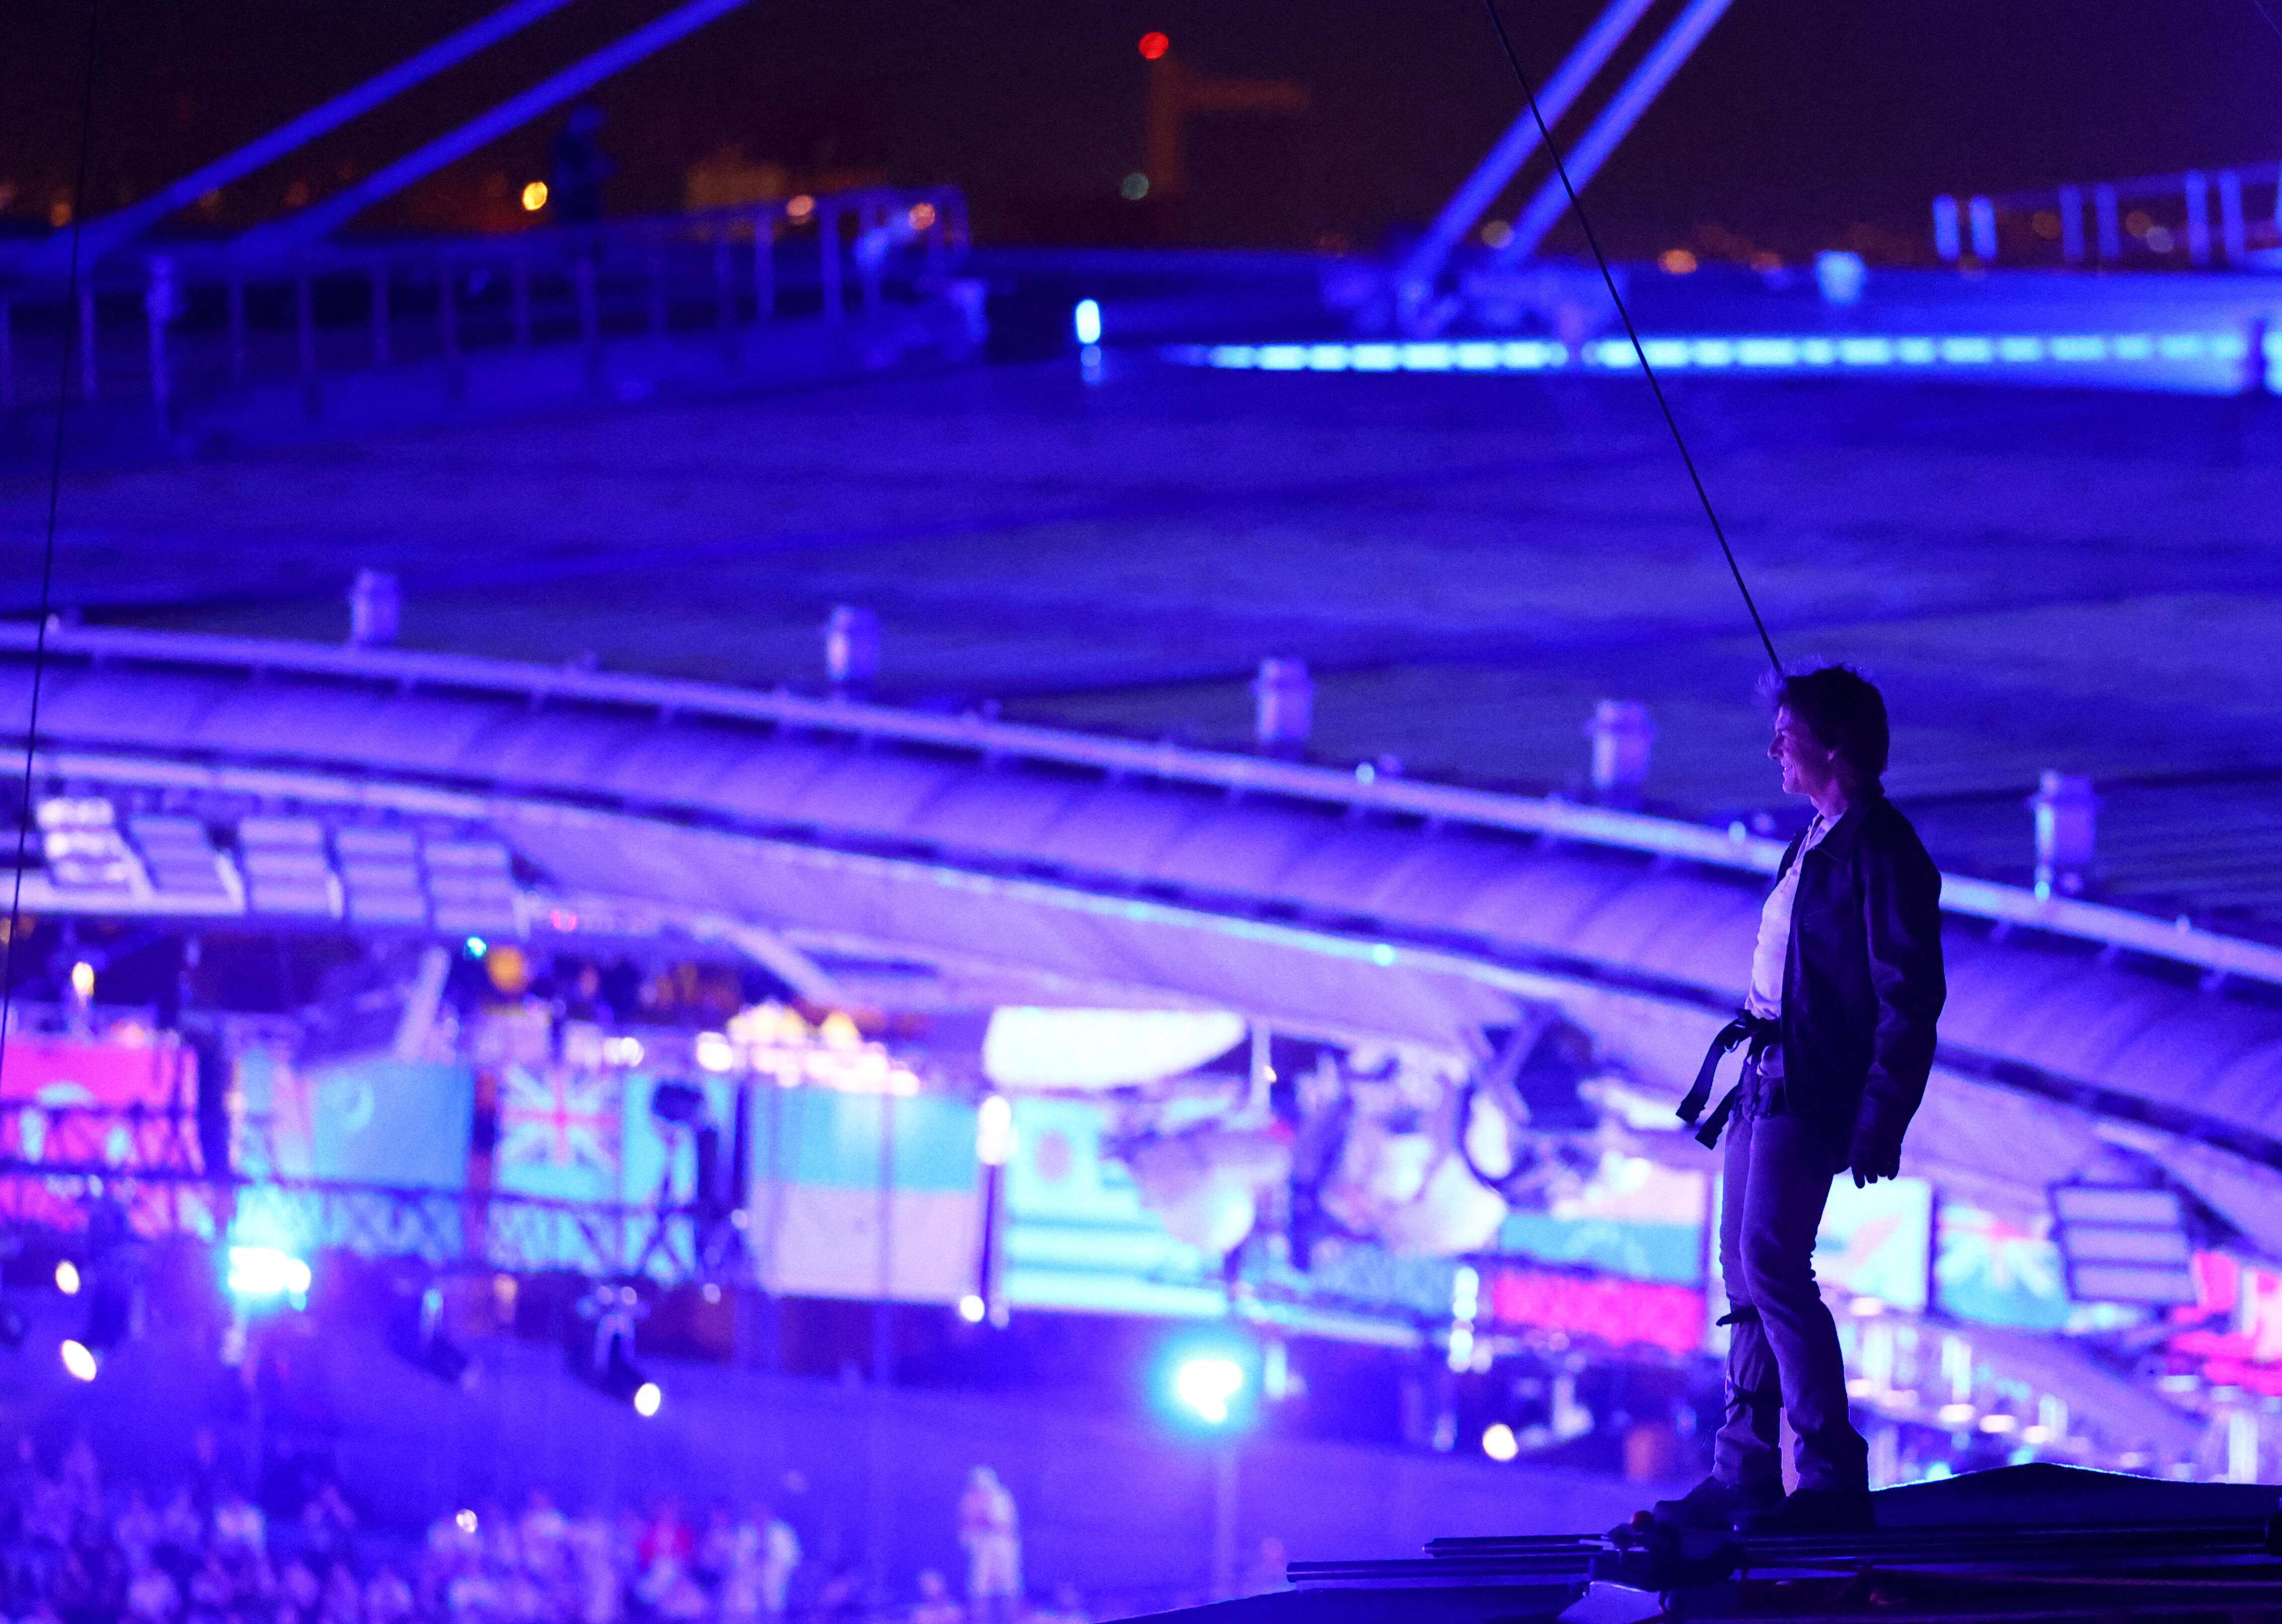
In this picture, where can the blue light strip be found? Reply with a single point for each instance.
(1742, 354)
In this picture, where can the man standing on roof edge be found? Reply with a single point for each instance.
(1846, 985)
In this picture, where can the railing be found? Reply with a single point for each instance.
(171, 325)
(446, 1229)
(2170, 222)
(1363, 788)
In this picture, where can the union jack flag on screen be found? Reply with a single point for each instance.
(561, 1119)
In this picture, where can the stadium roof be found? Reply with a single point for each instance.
(1028, 864)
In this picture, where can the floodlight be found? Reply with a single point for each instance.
(79, 1359)
(1085, 322)
(621, 1379)
(67, 1277)
(263, 1274)
(994, 1130)
(1208, 1384)
(1499, 1443)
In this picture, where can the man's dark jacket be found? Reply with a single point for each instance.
(1863, 984)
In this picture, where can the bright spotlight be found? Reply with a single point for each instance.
(994, 1130)
(534, 197)
(1208, 1384)
(79, 1360)
(257, 1272)
(83, 980)
(972, 1308)
(1499, 1443)
(67, 1279)
(1085, 321)
(648, 1397)
(464, 1520)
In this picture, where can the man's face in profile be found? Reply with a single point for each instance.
(1807, 767)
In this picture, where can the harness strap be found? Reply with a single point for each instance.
(1756, 1031)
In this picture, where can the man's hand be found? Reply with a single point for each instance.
(1875, 1155)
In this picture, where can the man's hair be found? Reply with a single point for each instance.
(1844, 711)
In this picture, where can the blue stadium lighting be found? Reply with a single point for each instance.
(79, 1360)
(1085, 322)
(1750, 352)
(265, 1274)
(1212, 1385)
(1208, 1384)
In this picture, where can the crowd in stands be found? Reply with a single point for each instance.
(73, 1551)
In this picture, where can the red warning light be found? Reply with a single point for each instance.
(1153, 45)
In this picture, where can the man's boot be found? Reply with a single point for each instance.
(1717, 1504)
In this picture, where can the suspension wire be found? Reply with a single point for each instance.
(2260, 7)
(48, 555)
(1561, 167)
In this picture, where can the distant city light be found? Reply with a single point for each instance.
(534, 197)
(465, 1521)
(1958, 1414)
(1675, 261)
(259, 1272)
(972, 1308)
(714, 1052)
(994, 1130)
(1499, 1443)
(1208, 1384)
(799, 207)
(1496, 234)
(622, 1051)
(1134, 187)
(1085, 322)
(82, 981)
(79, 1359)
(67, 1277)
(477, 947)
(922, 216)
(1154, 45)
(648, 1398)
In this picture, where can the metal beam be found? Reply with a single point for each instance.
(319, 220)
(1414, 283)
(113, 231)
(1615, 123)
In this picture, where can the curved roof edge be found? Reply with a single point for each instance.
(1364, 789)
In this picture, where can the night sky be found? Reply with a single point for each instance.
(1797, 119)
